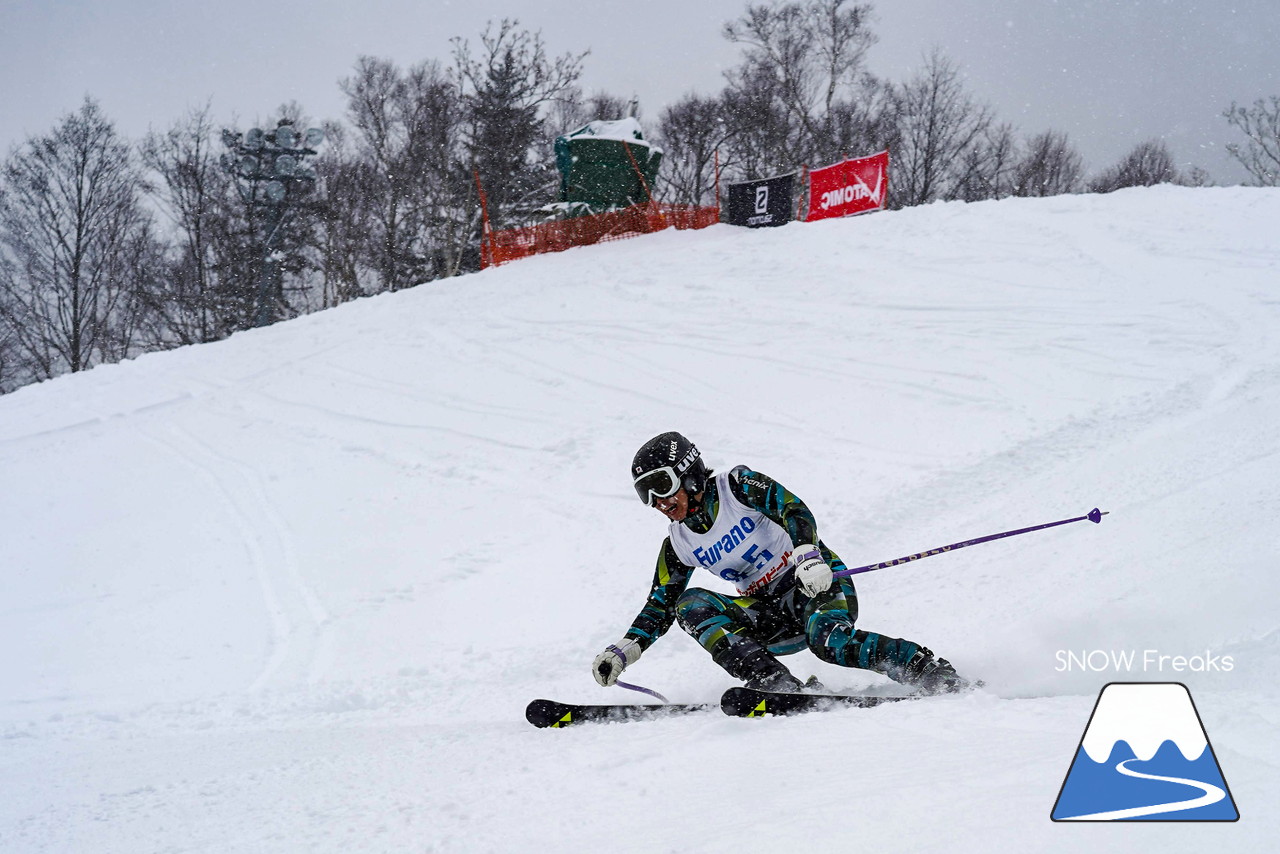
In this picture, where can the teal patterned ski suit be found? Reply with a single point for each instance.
(743, 633)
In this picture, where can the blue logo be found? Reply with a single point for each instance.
(1145, 756)
(709, 557)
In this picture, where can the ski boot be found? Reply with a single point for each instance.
(934, 675)
(813, 686)
(755, 666)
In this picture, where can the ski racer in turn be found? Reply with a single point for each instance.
(747, 528)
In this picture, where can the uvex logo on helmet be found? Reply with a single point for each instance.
(671, 456)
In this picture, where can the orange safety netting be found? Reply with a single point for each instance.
(499, 247)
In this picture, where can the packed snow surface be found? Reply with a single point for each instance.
(292, 591)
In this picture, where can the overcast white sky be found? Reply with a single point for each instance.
(1111, 74)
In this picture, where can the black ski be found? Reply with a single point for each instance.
(550, 713)
(750, 703)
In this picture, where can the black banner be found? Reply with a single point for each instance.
(766, 202)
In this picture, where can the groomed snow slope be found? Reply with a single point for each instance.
(292, 591)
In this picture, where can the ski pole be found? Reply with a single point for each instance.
(642, 690)
(1095, 515)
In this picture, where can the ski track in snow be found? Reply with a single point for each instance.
(297, 617)
(291, 591)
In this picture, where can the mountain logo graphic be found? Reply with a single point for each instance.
(1145, 756)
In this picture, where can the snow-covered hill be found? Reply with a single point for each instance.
(293, 590)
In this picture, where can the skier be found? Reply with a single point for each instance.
(747, 528)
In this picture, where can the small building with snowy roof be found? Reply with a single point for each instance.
(605, 165)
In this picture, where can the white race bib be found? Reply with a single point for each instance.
(744, 546)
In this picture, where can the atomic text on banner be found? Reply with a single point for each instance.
(852, 186)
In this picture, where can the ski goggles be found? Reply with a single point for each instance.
(659, 483)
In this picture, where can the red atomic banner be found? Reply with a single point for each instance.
(850, 187)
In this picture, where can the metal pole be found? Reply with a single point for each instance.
(269, 275)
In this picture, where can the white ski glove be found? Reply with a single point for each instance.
(609, 664)
(812, 573)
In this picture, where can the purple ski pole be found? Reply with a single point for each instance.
(642, 690)
(1095, 515)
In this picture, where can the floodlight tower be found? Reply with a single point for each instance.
(273, 175)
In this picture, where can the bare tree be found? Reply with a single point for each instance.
(691, 131)
(192, 187)
(986, 169)
(938, 126)
(343, 233)
(1197, 176)
(445, 213)
(71, 230)
(145, 272)
(12, 363)
(812, 54)
(1260, 123)
(574, 109)
(237, 250)
(761, 138)
(381, 111)
(862, 124)
(1050, 166)
(772, 90)
(1149, 163)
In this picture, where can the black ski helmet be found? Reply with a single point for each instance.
(659, 458)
